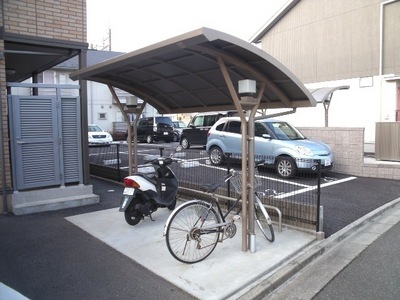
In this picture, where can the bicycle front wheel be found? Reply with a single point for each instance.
(263, 220)
(193, 232)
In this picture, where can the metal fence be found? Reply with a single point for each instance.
(297, 198)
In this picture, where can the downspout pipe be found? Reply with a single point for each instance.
(381, 29)
(3, 161)
(381, 35)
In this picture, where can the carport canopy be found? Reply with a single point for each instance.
(324, 94)
(198, 71)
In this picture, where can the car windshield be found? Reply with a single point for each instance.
(179, 125)
(284, 131)
(94, 128)
(164, 120)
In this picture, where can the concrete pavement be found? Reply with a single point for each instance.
(295, 266)
(367, 249)
(225, 273)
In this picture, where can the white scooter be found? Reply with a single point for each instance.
(146, 191)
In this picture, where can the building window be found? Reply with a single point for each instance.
(102, 116)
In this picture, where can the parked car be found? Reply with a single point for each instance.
(281, 145)
(178, 128)
(197, 129)
(155, 129)
(98, 136)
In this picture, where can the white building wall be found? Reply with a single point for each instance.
(359, 106)
(102, 110)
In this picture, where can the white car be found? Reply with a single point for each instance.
(98, 136)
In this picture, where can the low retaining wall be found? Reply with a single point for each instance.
(348, 147)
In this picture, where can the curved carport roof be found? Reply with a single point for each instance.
(198, 71)
(325, 93)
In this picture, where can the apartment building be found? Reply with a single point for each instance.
(328, 43)
(42, 161)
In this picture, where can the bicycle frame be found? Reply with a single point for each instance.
(195, 227)
(221, 226)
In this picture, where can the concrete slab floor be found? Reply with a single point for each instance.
(223, 274)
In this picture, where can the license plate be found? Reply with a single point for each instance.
(165, 133)
(129, 191)
(328, 162)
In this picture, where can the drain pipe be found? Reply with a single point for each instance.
(381, 35)
(383, 4)
(3, 169)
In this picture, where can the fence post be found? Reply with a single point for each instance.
(317, 229)
(228, 167)
(118, 164)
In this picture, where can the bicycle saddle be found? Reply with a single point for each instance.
(210, 187)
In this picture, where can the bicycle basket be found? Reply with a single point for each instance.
(236, 181)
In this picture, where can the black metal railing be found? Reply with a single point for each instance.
(297, 198)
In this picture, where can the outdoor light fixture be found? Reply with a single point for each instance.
(247, 87)
(131, 102)
(10, 71)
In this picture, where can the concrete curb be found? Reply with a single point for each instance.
(270, 282)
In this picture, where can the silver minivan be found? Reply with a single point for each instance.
(281, 145)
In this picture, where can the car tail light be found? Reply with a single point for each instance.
(128, 182)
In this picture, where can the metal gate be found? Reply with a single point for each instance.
(45, 141)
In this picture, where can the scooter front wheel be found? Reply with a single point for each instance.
(132, 216)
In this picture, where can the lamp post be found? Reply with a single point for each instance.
(326, 104)
(247, 93)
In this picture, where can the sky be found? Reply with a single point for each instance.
(135, 24)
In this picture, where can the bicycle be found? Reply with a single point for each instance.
(193, 229)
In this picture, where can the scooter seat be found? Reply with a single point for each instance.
(152, 177)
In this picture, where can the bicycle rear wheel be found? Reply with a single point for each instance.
(192, 233)
(263, 220)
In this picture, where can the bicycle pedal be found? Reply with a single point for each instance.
(236, 217)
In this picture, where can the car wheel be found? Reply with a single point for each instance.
(216, 156)
(285, 166)
(149, 139)
(185, 143)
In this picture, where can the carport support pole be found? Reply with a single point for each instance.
(250, 134)
(138, 112)
(252, 105)
(241, 107)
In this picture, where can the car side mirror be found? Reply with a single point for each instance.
(266, 136)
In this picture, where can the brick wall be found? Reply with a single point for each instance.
(56, 19)
(348, 147)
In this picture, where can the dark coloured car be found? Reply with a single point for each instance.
(178, 128)
(196, 131)
(155, 129)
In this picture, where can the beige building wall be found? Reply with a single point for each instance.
(59, 20)
(328, 43)
(64, 20)
(324, 40)
(347, 145)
